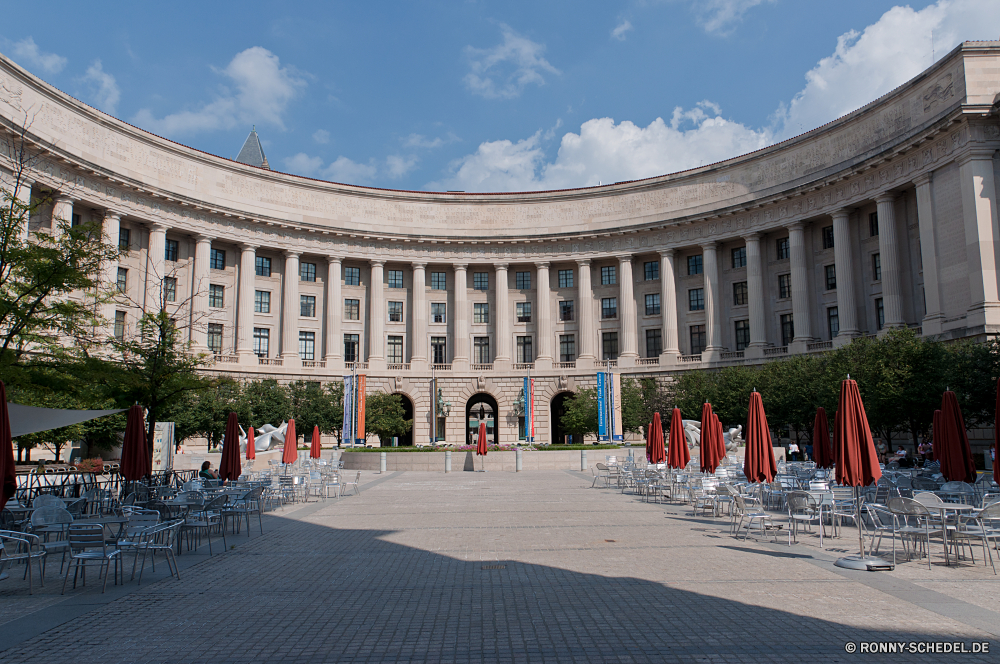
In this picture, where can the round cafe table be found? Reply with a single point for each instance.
(950, 507)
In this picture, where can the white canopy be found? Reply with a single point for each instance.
(29, 419)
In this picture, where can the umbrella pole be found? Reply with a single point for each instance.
(857, 517)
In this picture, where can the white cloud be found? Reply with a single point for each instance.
(321, 136)
(421, 141)
(396, 166)
(30, 55)
(259, 92)
(720, 17)
(103, 88)
(506, 69)
(620, 30)
(303, 164)
(350, 172)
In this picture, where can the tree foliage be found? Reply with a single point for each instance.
(385, 416)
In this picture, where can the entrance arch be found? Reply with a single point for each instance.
(406, 440)
(557, 408)
(481, 405)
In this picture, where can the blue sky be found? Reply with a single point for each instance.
(486, 96)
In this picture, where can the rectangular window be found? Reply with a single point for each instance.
(307, 306)
(696, 299)
(481, 350)
(828, 237)
(739, 257)
(784, 286)
(262, 266)
(877, 267)
(261, 341)
(122, 281)
(523, 312)
(438, 310)
(170, 289)
(75, 220)
(697, 334)
(609, 307)
(742, 334)
(170, 251)
(654, 343)
(566, 279)
(524, 352)
(653, 305)
(307, 346)
(352, 309)
(694, 265)
(782, 248)
(217, 259)
(481, 281)
(124, 238)
(740, 293)
(351, 347)
(394, 278)
(262, 302)
(609, 275)
(215, 338)
(879, 314)
(567, 348)
(609, 345)
(873, 224)
(216, 296)
(352, 276)
(394, 349)
(787, 329)
(307, 271)
(651, 270)
(833, 322)
(522, 280)
(395, 312)
(566, 311)
(439, 347)
(439, 281)
(120, 325)
(831, 277)
(481, 312)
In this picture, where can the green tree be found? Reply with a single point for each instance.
(385, 416)
(315, 405)
(580, 412)
(266, 402)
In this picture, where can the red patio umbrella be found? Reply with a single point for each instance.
(136, 461)
(648, 430)
(656, 452)
(996, 437)
(8, 474)
(314, 448)
(710, 457)
(251, 450)
(481, 443)
(935, 428)
(954, 451)
(822, 453)
(678, 455)
(720, 438)
(758, 464)
(290, 453)
(230, 467)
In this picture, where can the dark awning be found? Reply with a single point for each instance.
(29, 419)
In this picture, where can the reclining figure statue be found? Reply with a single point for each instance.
(692, 433)
(266, 438)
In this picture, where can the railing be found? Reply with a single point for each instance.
(732, 355)
(227, 359)
(691, 358)
(820, 345)
(777, 350)
(398, 366)
(918, 330)
(269, 361)
(442, 367)
(482, 367)
(523, 366)
(355, 366)
(313, 364)
(647, 361)
(564, 365)
(607, 364)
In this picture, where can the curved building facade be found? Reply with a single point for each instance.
(884, 218)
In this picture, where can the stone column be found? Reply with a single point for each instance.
(627, 323)
(888, 247)
(585, 327)
(933, 316)
(668, 308)
(112, 226)
(244, 304)
(376, 317)
(979, 211)
(460, 356)
(62, 211)
(801, 312)
(419, 312)
(290, 311)
(713, 313)
(755, 297)
(843, 257)
(502, 318)
(155, 267)
(544, 306)
(199, 293)
(334, 356)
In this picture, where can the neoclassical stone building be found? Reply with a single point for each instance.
(884, 218)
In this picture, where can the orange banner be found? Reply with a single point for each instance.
(361, 407)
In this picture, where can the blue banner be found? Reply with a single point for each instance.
(527, 411)
(347, 434)
(602, 417)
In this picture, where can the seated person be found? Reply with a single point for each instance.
(207, 473)
(900, 453)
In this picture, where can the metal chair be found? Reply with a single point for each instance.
(22, 547)
(802, 508)
(751, 516)
(355, 484)
(159, 540)
(916, 522)
(87, 547)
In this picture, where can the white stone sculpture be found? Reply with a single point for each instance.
(266, 438)
(732, 438)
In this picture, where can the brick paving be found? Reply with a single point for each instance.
(406, 572)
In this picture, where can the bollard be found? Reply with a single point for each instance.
(381, 462)
(517, 462)
(447, 461)
(583, 460)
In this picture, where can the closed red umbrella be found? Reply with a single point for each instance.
(314, 448)
(8, 474)
(290, 453)
(136, 460)
(649, 429)
(678, 455)
(251, 450)
(954, 450)
(481, 444)
(822, 452)
(720, 438)
(758, 463)
(935, 428)
(657, 454)
(996, 437)
(230, 467)
(710, 456)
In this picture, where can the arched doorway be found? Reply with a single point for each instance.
(557, 408)
(406, 440)
(481, 407)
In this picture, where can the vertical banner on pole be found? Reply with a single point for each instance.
(347, 434)
(531, 385)
(616, 413)
(361, 408)
(526, 390)
(602, 418)
(434, 419)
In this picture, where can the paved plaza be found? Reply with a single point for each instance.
(503, 567)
